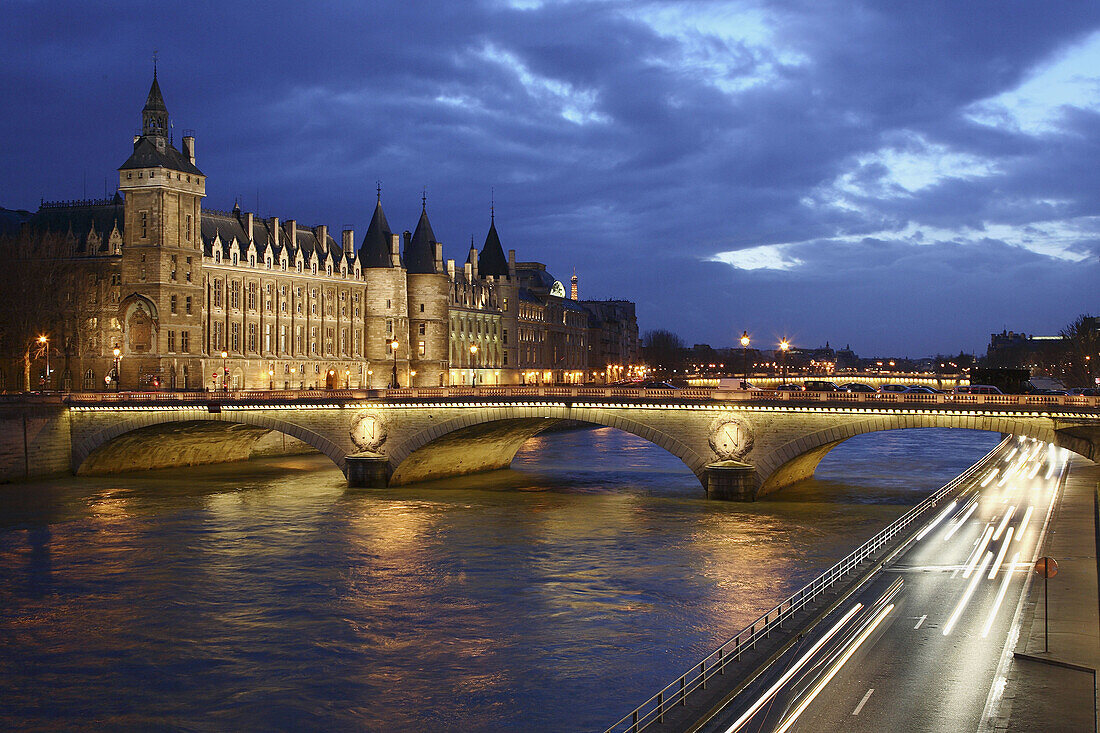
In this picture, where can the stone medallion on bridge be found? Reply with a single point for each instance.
(368, 431)
(731, 439)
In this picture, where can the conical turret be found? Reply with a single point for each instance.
(375, 250)
(492, 260)
(420, 252)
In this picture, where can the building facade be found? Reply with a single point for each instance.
(179, 296)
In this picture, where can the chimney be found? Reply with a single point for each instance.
(292, 225)
(274, 231)
(248, 226)
(348, 240)
(189, 147)
(511, 264)
(472, 262)
(321, 232)
(408, 238)
(468, 269)
(439, 257)
(451, 269)
(395, 250)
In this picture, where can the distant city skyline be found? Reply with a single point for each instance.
(904, 179)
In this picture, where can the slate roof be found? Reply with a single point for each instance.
(375, 248)
(146, 155)
(492, 260)
(80, 218)
(419, 254)
(225, 226)
(155, 101)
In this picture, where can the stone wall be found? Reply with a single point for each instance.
(34, 442)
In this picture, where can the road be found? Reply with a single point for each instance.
(919, 647)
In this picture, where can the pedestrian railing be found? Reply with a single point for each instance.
(697, 676)
(589, 393)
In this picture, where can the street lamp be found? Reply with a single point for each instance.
(473, 365)
(370, 379)
(393, 347)
(271, 378)
(46, 347)
(745, 350)
(225, 371)
(783, 346)
(347, 379)
(118, 368)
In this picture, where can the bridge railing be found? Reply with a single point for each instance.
(699, 674)
(578, 392)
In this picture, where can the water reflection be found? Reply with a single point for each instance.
(548, 597)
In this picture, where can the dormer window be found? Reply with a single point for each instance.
(234, 259)
(313, 268)
(252, 260)
(299, 265)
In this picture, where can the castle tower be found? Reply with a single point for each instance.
(386, 305)
(429, 292)
(161, 311)
(491, 262)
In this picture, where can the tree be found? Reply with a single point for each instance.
(1080, 347)
(662, 350)
(44, 293)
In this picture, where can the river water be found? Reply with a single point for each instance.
(554, 596)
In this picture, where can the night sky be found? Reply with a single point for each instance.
(904, 177)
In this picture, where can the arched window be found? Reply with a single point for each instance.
(217, 256)
(299, 267)
(252, 260)
(89, 380)
(234, 258)
(267, 262)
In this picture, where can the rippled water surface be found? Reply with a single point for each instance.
(553, 596)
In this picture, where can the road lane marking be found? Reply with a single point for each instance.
(863, 702)
(967, 593)
(922, 618)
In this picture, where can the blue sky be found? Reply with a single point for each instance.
(902, 177)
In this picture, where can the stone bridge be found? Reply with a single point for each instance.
(740, 444)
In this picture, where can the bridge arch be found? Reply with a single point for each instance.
(161, 439)
(490, 440)
(799, 458)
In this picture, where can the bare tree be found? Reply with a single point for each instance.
(663, 350)
(44, 294)
(1080, 351)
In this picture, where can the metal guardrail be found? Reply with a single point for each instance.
(580, 393)
(696, 677)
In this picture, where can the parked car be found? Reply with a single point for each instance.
(921, 389)
(1084, 392)
(819, 385)
(1051, 392)
(976, 389)
(790, 387)
(893, 389)
(857, 387)
(656, 385)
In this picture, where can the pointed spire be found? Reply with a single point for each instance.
(375, 248)
(420, 251)
(154, 115)
(492, 260)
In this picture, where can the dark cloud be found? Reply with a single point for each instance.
(632, 141)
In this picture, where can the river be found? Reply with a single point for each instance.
(553, 596)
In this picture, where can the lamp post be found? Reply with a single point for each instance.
(347, 379)
(46, 348)
(118, 368)
(783, 346)
(271, 378)
(473, 365)
(393, 348)
(370, 379)
(225, 371)
(745, 350)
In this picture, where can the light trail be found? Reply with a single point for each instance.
(1001, 526)
(1023, 522)
(960, 522)
(1000, 593)
(992, 475)
(835, 668)
(942, 515)
(793, 670)
(978, 552)
(1000, 555)
(966, 595)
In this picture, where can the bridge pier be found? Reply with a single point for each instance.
(730, 481)
(367, 471)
